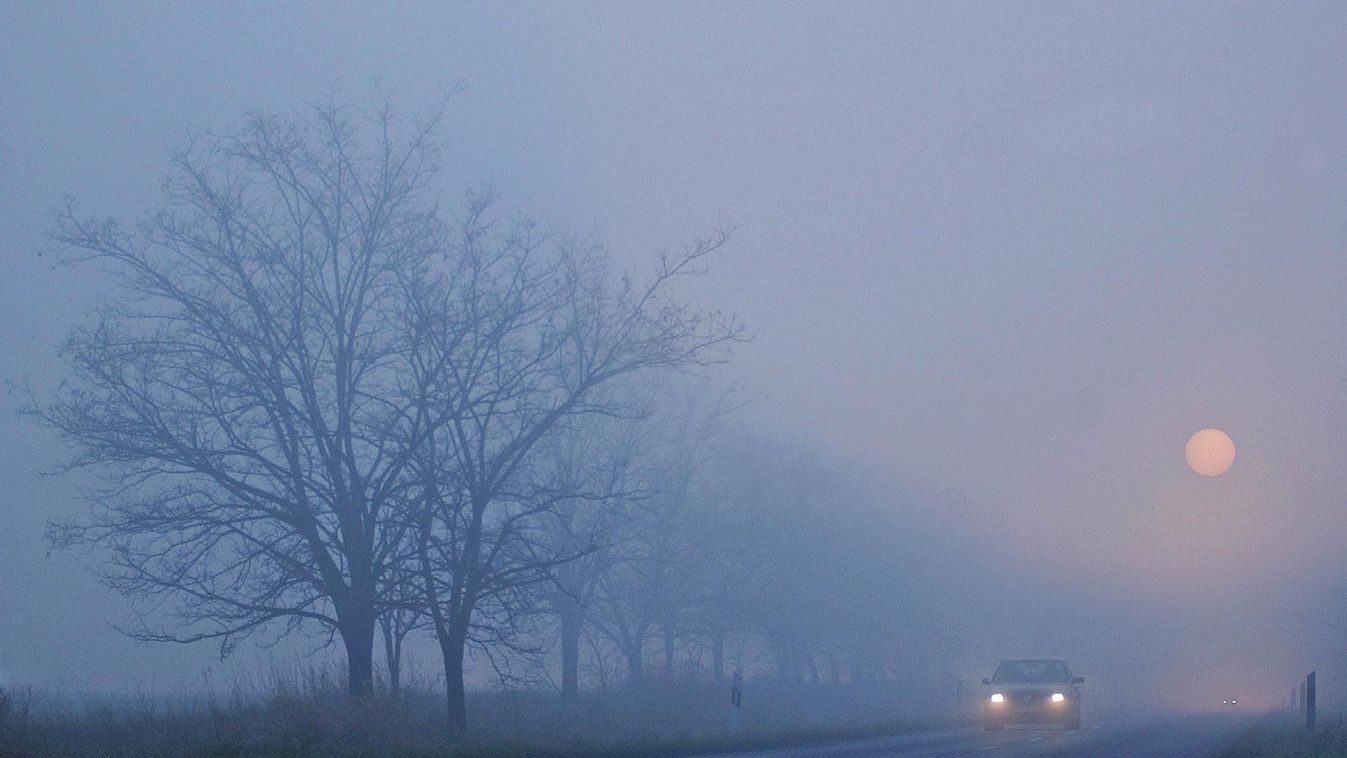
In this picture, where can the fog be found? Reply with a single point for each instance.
(995, 265)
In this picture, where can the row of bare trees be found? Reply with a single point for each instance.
(318, 401)
(735, 552)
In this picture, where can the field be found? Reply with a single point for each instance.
(313, 718)
(1281, 737)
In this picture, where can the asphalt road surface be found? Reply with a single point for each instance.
(1193, 736)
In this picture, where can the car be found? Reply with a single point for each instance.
(1032, 691)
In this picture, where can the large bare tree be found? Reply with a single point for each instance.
(247, 391)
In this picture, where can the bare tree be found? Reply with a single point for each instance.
(529, 332)
(596, 464)
(732, 535)
(248, 392)
(398, 620)
(651, 580)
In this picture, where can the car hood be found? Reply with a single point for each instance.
(1030, 687)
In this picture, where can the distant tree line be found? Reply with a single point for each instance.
(320, 398)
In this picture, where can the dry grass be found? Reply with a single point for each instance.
(1284, 737)
(305, 713)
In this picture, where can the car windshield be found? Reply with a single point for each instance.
(1030, 672)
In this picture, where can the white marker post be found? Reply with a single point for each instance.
(1309, 702)
(736, 703)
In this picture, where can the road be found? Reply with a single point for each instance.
(1173, 737)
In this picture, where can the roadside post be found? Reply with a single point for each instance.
(736, 702)
(1309, 702)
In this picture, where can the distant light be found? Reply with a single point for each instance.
(1234, 701)
(998, 698)
(1058, 697)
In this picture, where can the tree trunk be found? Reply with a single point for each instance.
(357, 634)
(782, 660)
(718, 656)
(668, 653)
(452, 648)
(572, 618)
(393, 651)
(395, 671)
(635, 665)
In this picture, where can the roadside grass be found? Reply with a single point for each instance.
(307, 714)
(734, 744)
(1282, 737)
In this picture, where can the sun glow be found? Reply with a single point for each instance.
(1210, 452)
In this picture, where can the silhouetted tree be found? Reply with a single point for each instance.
(651, 577)
(598, 464)
(247, 390)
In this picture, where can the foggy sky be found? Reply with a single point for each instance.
(1009, 257)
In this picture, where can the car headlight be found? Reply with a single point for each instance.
(1058, 697)
(998, 698)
